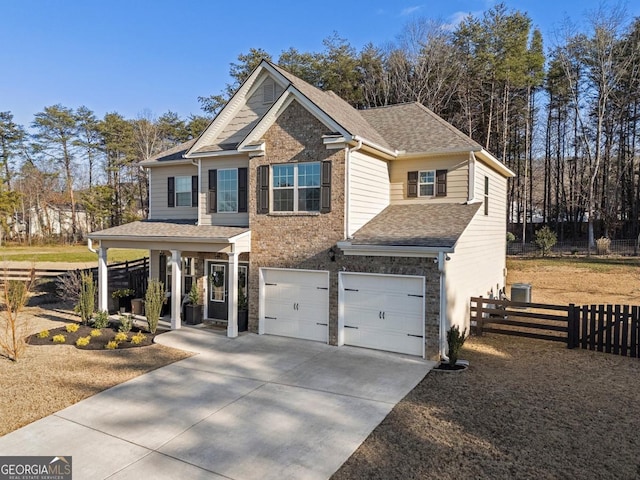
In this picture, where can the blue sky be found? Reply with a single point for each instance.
(130, 56)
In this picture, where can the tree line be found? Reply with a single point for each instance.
(72, 159)
(563, 117)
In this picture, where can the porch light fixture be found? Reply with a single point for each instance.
(332, 254)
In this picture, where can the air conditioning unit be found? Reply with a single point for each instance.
(521, 292)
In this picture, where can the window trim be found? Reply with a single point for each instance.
(218, 190)
(433, 183)
(296, 188)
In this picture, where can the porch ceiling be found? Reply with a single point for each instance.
(172, 234)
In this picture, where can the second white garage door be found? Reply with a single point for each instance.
(295, 303)
(385, 312)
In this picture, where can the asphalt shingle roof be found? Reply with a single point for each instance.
(417, 225)
(169, 229)
(414, 128)
(174, 153)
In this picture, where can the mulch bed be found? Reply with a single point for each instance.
(96, 343)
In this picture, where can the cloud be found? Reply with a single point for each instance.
(410, 10)
(456, 18)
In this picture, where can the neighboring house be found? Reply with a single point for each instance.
(52, 220)
(370, 228)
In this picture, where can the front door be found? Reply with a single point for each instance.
(218, 276)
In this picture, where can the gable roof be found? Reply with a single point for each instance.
(174, 153)
(413, 128)
(417, 225)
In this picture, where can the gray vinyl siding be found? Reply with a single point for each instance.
(457, 178)
(249, 115)
(158, 209)
(479, 262)
(220, 219)
(368, 189)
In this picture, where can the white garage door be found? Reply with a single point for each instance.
(385, 312)
(295, 303)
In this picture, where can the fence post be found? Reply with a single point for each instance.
(573, 327)
(479, 316)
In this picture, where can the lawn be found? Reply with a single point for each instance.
(525, 408)
(67, 253)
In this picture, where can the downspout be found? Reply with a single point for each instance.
(347, 185)
(471, 197)
(443, 307)
(90, 246)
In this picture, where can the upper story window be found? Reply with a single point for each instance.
(182, 191)
(296, 187)
(426, 183)
(486, 195)
(228, 190)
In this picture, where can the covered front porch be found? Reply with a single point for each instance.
(177, 240)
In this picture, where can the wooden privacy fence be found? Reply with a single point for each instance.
(130, 274)
(604, 328)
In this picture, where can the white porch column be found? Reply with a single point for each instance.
(103, 282)
(176, 289)
(232, 318)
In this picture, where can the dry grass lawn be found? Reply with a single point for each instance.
(525, 409)
(49, 378)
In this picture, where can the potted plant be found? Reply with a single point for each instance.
(243, 311)
(124, 297)
(193, 308)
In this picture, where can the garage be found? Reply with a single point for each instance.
(295, 303)
(384, 312)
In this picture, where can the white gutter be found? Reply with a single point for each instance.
(443, 307)
(359, 139)
(218, 153)
(347, 186)
(392, 250)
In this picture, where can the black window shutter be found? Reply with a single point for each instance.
(242, 190)
(441, 183)
(325, 187)
(194, 190)
(213, 188)
(263, 189)
(171, 189)
(412, 184)
(162, 270)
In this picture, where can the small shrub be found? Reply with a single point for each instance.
(510, 237)
(545, 240)
(455, 339)
(43, 334)
(126, 323)
(138, 338)
(101, 319)
(603, 245)
(96, 332)
(153, 301)
(72, 327)
(112, 345)
(121, 337)
(83, 341)
(59, 338)
(87, 299)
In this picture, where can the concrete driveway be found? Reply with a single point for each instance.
(254, 407)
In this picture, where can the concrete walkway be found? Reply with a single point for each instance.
(254, 407)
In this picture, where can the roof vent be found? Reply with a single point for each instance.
(269, 92)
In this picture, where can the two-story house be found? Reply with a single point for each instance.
(370, 228)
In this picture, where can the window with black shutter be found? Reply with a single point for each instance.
(242, 190)
(441, 183)
(194, 190)
(325, 191)
(262, 194)
(213, 183)
(412, 184)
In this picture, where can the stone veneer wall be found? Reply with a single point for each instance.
(303, 240)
